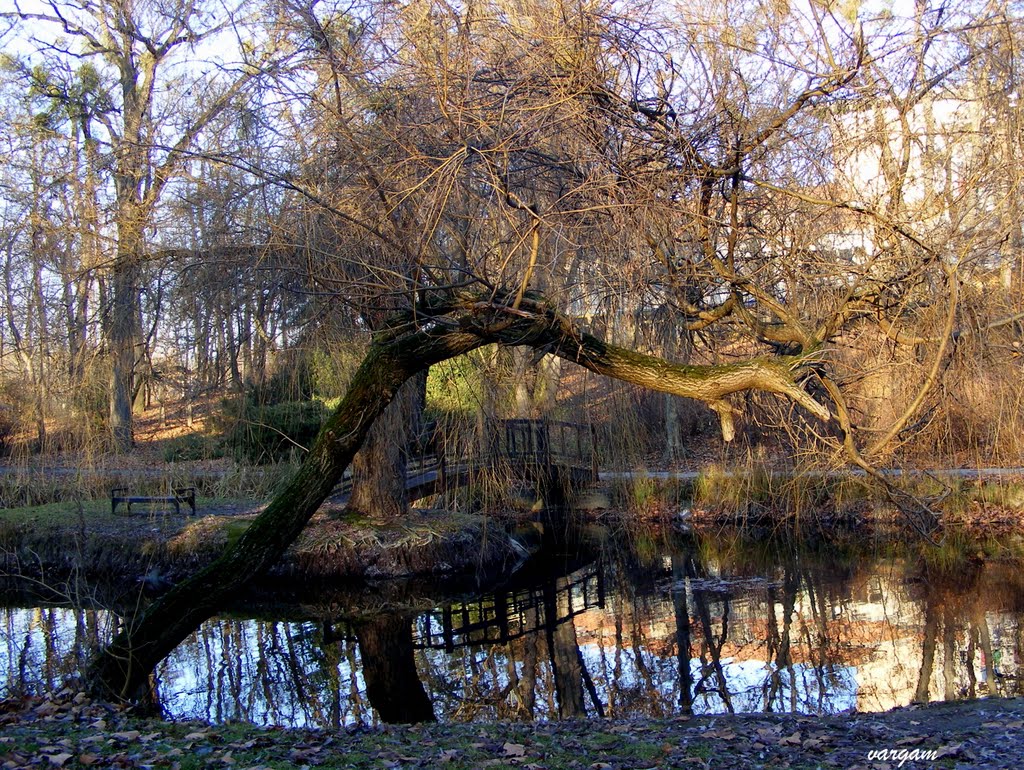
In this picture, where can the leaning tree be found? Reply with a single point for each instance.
(495, 172)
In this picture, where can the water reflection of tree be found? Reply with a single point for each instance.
(45, 646)
(393, 684)
(710, 621)
(658, 647)
(779, 643)
(956, 607)
(538, 671)
(273, 672)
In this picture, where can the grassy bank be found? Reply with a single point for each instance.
(764, 495)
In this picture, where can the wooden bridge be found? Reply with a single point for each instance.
(546, 452)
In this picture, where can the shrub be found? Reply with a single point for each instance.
(193, 446)
(8, 427)
(269, 433)
(453, 388)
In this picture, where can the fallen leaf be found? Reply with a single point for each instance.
(514, 750)
(88, 759)
(791, 740)
(722, 733)
(58, 760)
(911, 740)
(128, 735)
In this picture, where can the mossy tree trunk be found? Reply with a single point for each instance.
(436, 333)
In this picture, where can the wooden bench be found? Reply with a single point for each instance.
(176, 498)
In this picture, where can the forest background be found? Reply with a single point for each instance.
(207, 210)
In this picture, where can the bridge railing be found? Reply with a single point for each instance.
(538, 443)
(547, 442)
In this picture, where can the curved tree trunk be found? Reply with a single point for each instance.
(434, 335)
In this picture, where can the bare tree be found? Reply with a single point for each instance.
(156, 112)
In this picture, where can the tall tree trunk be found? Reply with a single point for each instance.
(379, 467)
(122, 338)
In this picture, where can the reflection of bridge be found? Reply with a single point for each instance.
(506, 615)
(544, 451)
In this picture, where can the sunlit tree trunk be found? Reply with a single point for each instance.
(379, 468)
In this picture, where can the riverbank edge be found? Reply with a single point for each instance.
(67, 541)
(68, 730)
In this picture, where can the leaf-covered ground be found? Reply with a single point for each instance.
(67, 730)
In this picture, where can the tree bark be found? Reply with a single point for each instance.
(379, 467)
(122, 338)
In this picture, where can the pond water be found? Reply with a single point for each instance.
(652, 625)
